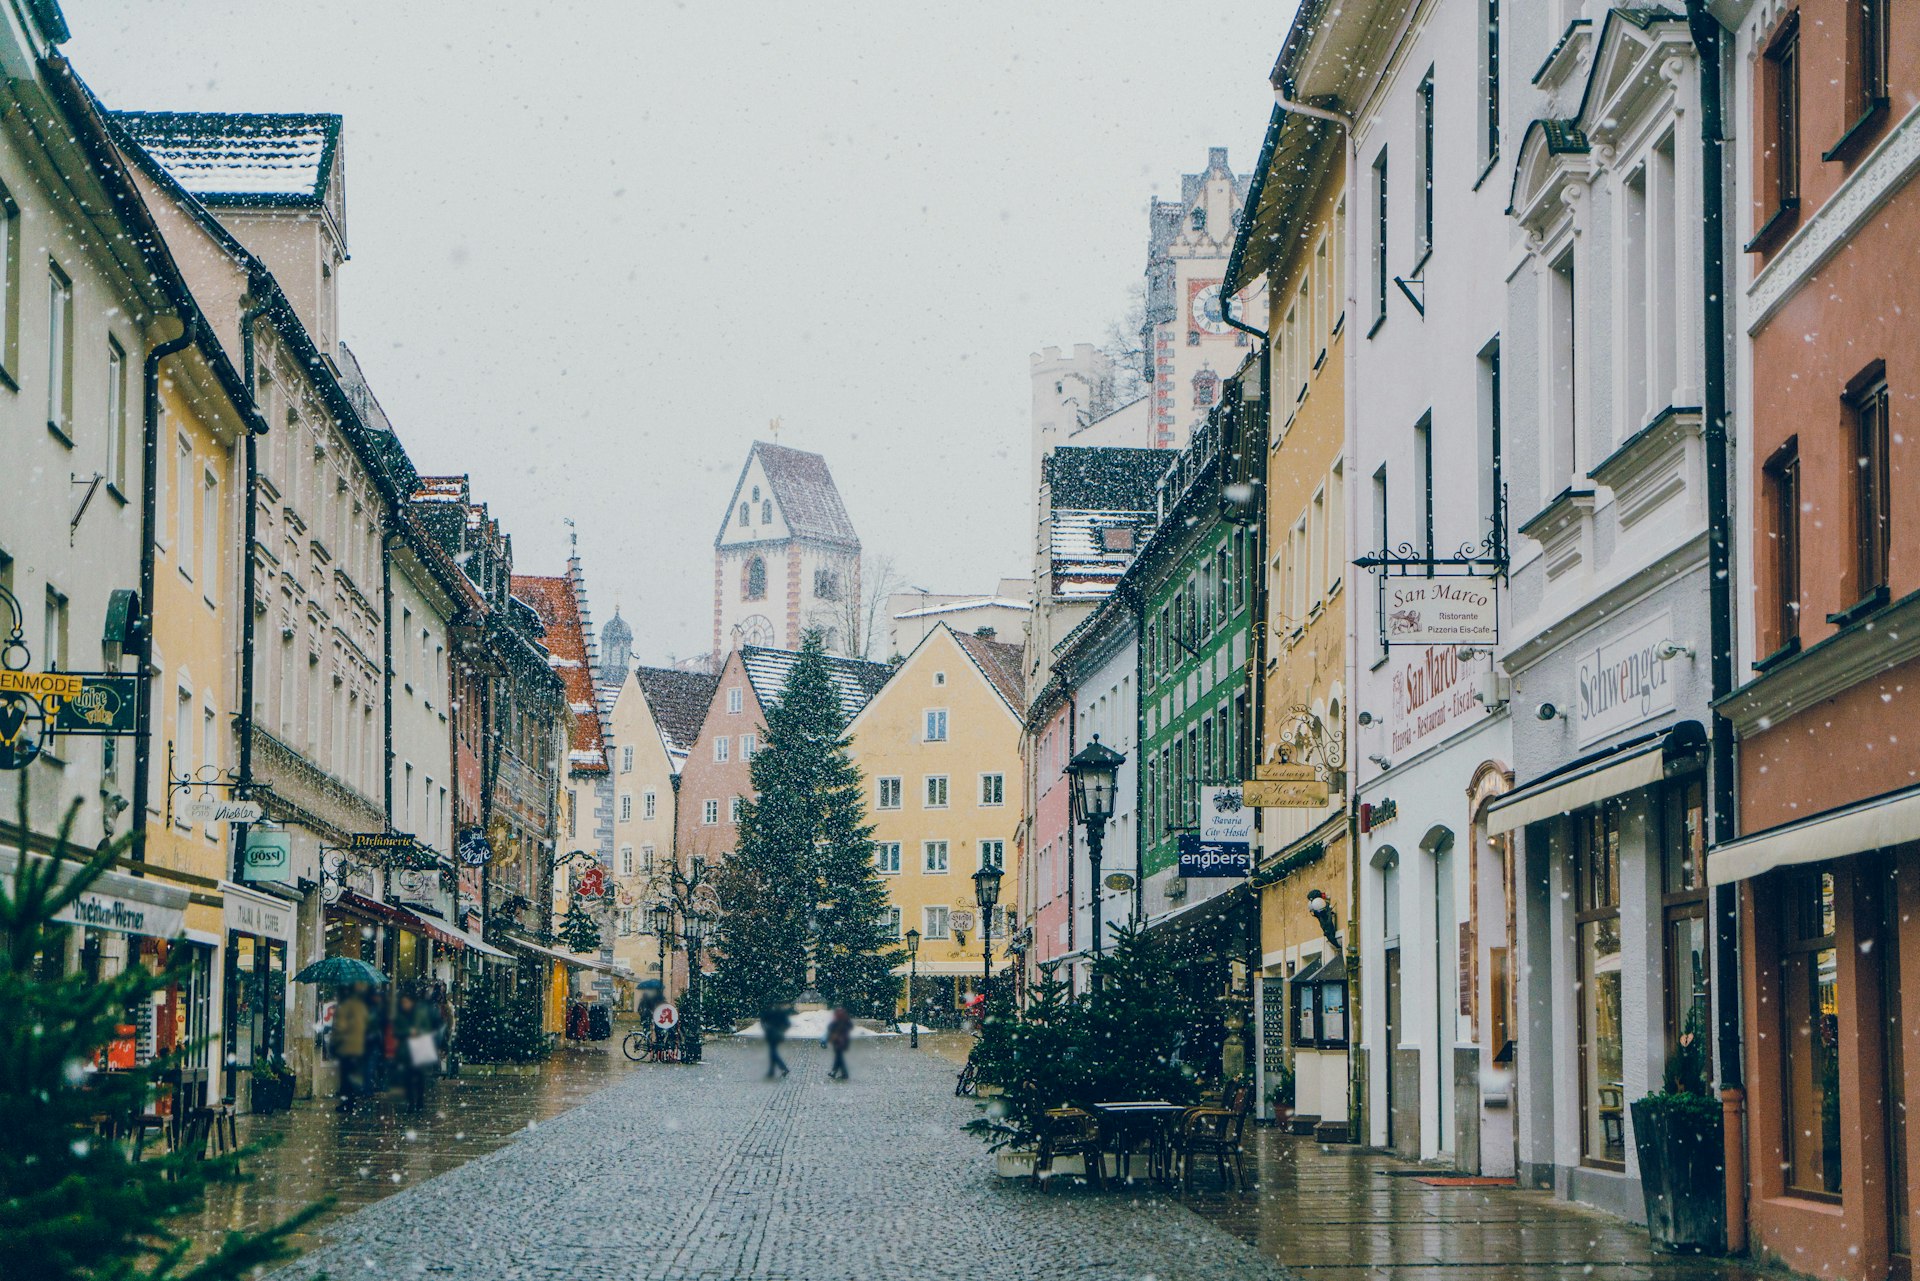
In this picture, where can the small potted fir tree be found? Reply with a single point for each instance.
(1677, 1135)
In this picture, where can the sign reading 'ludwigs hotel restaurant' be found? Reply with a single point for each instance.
(1623, 682)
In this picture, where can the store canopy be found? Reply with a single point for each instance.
(122, 904)
(474, 943)
(566, 958)
(1638, 763)
(950, 969)
(1893, 819)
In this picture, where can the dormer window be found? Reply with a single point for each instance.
(766, 511)
(743, 514)
(1199, 217)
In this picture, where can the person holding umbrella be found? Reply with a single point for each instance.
(351, 1017)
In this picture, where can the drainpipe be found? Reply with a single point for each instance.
(250, 531)
(1707, 33)
(386, 672)
(149, 502)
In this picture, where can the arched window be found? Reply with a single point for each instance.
(766, 511)
(743, 513)
(755, 587)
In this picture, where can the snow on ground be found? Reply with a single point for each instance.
(809, 1025)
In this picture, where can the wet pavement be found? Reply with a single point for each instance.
(1341, 1214)
(381, 1147)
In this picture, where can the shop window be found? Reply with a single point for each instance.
(1320, 1006)
(1810, 1005)
(1602, 1051)
(1883, 886)
(1684, 907)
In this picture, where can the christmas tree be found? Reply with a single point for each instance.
(578, 930)
(73, 1203)
(802, 883)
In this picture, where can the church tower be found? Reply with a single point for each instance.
(786, 558)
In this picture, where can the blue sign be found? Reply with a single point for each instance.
(473, 848)
(1214, 858)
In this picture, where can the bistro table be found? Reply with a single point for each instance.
(1129, 1126)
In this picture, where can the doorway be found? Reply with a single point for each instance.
(1392, 1041)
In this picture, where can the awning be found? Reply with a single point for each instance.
(1635, 764)
(450, 933)
(1893, 819)
(950, 969)
(554, 953)
(123, 904)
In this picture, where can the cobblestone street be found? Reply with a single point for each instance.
(712, 1172)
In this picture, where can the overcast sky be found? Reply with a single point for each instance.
(597, 246)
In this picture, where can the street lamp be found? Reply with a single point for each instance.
(1093, 771)
(662, 915)
(986, 892)
(696, 934)
(1322, 909)
(913, 972)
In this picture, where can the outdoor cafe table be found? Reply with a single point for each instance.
(1128, 1126)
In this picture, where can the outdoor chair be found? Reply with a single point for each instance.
(1067, 1132)
(1219, 1132)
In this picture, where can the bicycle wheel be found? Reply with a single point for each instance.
(969, 1081)
(634, 1046)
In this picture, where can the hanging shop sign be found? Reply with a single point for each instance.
(395, 849)
(1200, 857)
(1119, 882)
(1225, 817)
(472, 847)
(1441, 611)
(592, 883)
(1624, 682)
(268, 857)
(1283, 786)
(208, 808)
(417, 887)
(23, 729)
(333, 876)
(107, 703)
(256, 914)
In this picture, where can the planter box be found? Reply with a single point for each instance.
(272, 1094)
(1013, 1163)
(1683, 1179)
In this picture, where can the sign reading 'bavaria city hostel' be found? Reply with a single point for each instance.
(1224, 844)
(1441, 611)
(1623, 682)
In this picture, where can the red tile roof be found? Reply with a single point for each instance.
(1000, 663)
(566, 641)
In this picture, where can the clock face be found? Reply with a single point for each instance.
(1203, 308)
(756, 630)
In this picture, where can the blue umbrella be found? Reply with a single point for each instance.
(340, 971)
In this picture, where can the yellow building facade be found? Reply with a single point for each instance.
(1296, 238)
(939, 749)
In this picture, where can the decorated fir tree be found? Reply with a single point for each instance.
(578, 930)
(75, 1202)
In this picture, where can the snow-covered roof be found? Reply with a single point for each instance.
(804, 489)
(678, 701)
(1000, 663)
(956, 607)
(237, 158)
(855, 680)
(1087, 559)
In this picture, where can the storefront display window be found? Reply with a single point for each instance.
(1684, 909)
(1320, 1006)
(256, 1000)
(1602, 1054)
(1810, 999)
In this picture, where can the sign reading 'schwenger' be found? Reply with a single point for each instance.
(1202, 858)
(1623, 682)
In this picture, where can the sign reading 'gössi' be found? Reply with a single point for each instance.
(1623, 682)
(1441, 611)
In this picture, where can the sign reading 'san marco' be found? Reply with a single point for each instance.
(1441, 611)
(1623, 682)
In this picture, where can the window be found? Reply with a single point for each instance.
(9, 282)
(1423, 192)
(1380, 238)
(934, 919)
(1490, 78)
(116, 423)
(993, 789)
(1810, 1004)
(54, 633)
(1870, 55)
(826, 584)
(936, 791)
(1781, 84)
(1683, 852)
(766, 511)
(1869, 408)
(1336, 526)
(1602, 1049)
(1562, 355)
(1487, 463)
(1423, 478)
(890, 922)
(1322, 285)
(743, 514)
(936, 725)
(993, 854)
(733, 808)
(889, 794)
(626, 860)
(209, 534)
(755, 585)
(735, 700)
(649, 805)
(626, 807)
(626, 760)
(1336, 263)
(1317, 546)
(710, 812)
(184, 501)
(182, 735)
(646, 859)
(1780, 480)
(749, 744)
(59, 353)
(722, 748)
(933, 856)
(886, 856)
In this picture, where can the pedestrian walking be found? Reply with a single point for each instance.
(350, 1043)
(416, 1026)
(839, 1035)
(443, 1028)
(775, 1019)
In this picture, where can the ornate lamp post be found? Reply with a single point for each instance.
(1093, 771)
(986, 892)
(662, 916)
(913, 972)
(696, 934)
(1322, 909)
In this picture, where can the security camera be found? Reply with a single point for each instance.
(1381, 761)
(1547, 712)
(1667, 650)
(1364, 718)
(1467, 653)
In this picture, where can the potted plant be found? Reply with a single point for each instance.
(273, 1083)
(1283, 1090)
(1677, 1135)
